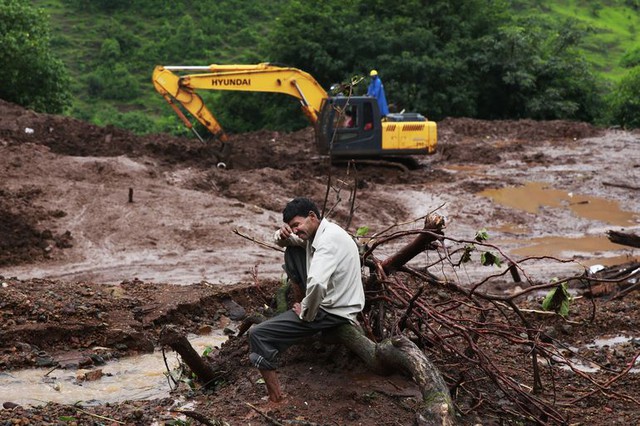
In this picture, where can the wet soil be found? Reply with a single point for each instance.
(107, 237)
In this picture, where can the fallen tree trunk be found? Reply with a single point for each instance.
(615, 281)
(396, 354)
(401, 354)
(179, 343)
(624, 238)
(433, 225)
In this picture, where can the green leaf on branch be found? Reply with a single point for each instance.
(482, 235)
(362, 231)
(558, 300)
(487, 259)
(466, 256)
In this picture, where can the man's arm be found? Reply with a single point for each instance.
(323, 265)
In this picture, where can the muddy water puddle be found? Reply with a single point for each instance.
(132, 378)
(565, 246)
(533, 196)
(612, 344)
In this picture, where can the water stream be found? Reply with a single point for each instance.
(132, 378)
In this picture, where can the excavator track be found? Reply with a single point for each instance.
(403, 163)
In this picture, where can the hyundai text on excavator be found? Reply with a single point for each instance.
(368, 135)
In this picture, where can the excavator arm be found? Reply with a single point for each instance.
(179, 84)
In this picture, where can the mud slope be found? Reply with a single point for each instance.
(65, 189)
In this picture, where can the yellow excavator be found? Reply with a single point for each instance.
(364, 135)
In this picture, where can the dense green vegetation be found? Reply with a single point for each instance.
(32, 75)
(541, 59)
(611, 30)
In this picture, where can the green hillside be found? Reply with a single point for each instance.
(612, 27)
(111, 46)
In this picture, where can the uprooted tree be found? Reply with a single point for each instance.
(416, 320)
(380, 354)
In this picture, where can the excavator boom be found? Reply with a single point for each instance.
(174, 85)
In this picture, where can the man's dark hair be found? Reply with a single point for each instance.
(299, 206)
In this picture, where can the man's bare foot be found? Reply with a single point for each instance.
(266, 400)
(273, 385)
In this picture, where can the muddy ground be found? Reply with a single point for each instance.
(105, 238)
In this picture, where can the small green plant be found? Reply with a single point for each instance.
(482, 235)
(487, 258)
(207, 351)
(362, 231)
(558, 300)
(466, 256)
(369, 397)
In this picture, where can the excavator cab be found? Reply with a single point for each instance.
(352, 127)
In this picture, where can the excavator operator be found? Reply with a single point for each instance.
(376, 90)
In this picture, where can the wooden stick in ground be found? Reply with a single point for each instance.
(621, 185)
(179, 343)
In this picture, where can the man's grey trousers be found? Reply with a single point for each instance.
(268, 339)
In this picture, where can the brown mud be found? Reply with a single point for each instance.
(107, 237)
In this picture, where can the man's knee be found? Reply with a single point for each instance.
(253, 335)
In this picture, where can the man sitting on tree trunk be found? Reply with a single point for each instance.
(329, 263)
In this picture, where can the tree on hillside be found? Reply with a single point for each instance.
(444, 58)
(33, 76)
(423, 50)
(321, 40)
(529, 69)
(631, 58)
(420, 51)
(624, 101)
